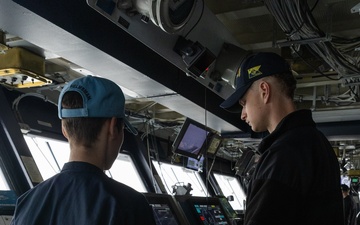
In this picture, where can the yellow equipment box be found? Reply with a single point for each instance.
(21, 68)
(353, 172)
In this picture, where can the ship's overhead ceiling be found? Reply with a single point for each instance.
(320, 39)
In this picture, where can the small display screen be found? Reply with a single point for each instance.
(195, 164)
(355, 180)
(210, 214)
(214, 145)
(163, 214)
(230, 212)
(191, 139)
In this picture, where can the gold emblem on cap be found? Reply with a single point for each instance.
(254, 71)
(238, 72)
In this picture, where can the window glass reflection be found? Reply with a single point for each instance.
(176, 175)
(230, 186)
(124, 171)
(51, 155)
(3, 183)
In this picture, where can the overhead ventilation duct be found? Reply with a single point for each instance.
(170, 15)
(20, 68)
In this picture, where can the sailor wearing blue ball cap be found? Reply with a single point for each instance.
(92, 113)
(101, 98)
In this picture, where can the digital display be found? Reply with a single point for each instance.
(210, 214)
(163, 214)
(165, 210)
(195, 164)
(203, 210)
(230, 212)
(191, 139)
(214, 145)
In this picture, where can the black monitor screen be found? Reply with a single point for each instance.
(163, 214)
(165, 210)
(191, 139)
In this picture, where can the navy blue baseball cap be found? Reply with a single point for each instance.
(254, 67)
(344, 187)
(101, 98)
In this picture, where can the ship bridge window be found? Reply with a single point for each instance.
(230, 186)
(124, 171)
(3, 183)
(51, 155)
(8, 199)
(174, 177)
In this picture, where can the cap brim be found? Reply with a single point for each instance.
(231, 104)
(130, 127)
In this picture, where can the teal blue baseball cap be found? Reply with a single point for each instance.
(101, 98)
